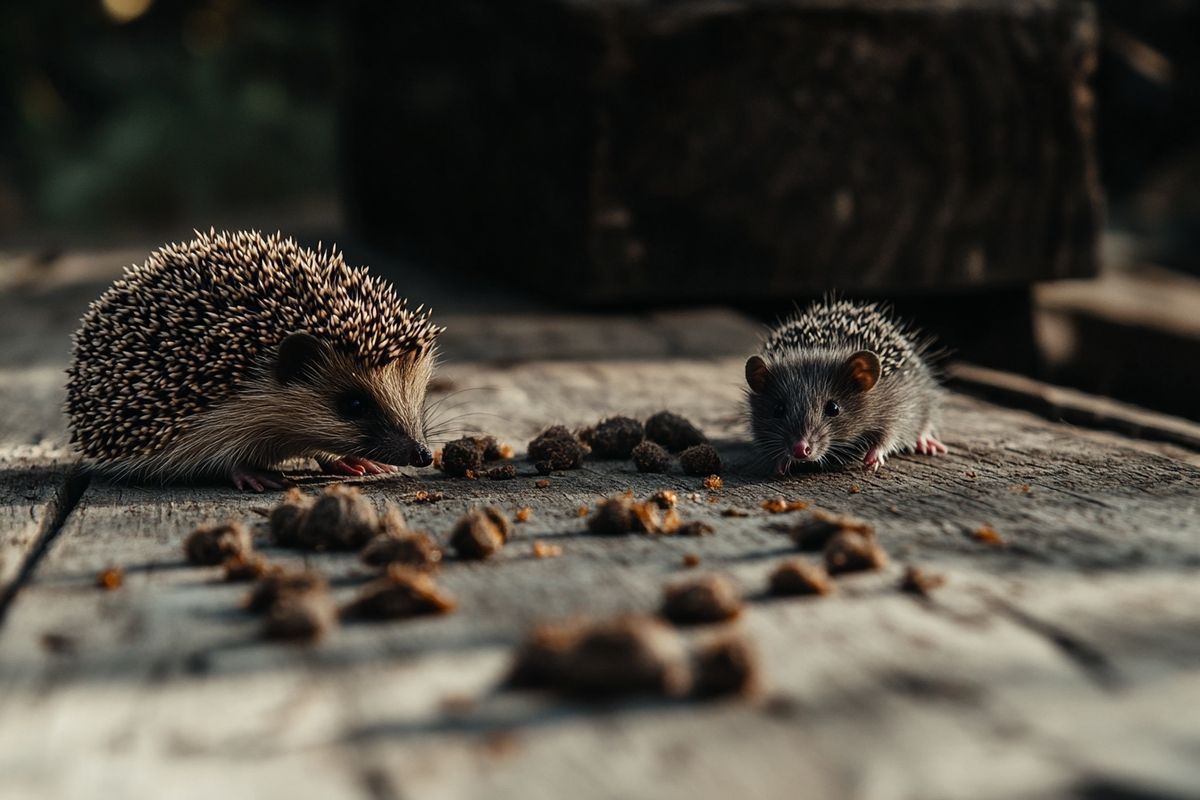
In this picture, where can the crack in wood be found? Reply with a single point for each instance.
(1091, 662)
(58, 510)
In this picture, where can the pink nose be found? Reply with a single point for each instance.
(802, 449)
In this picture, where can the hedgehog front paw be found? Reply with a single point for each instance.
(252, 479)
(929, 446)
(874, 459)
(354, 467)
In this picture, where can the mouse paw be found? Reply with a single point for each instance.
(930, 446)
(354, 467)
(252, 479)
(874, 459)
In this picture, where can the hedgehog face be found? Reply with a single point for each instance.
(810, 409)
(346, 408)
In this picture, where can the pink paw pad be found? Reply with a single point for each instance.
(355, 467)
(928, 445)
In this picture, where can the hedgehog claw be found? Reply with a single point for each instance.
(873, 460)
(354, 466)
(249, 479)
(930, 446)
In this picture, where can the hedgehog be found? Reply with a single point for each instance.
(232, 353)
(842, 380)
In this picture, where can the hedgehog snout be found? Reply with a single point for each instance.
(421, 456)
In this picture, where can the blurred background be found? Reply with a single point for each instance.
(603, 157)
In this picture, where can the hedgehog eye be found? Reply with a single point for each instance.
(779, 409)
(352, 405)
(832, 409)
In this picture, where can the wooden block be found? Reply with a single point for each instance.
(1133, 335)
(608, 150)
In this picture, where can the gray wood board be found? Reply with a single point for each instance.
(1055, 664)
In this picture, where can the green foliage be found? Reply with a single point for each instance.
(189, 108)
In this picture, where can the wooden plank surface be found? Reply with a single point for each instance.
(1022, 677)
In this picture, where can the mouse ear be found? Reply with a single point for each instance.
(864, 369)
(757, 374)
(297, 353)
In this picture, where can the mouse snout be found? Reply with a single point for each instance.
(420, 457)
(802, 449)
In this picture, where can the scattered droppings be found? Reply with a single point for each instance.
(556, 448)
(542, 657)
(613, 517)
(651, 457)
(673, 432)
(401, 593)
(701, 459)
(798, 577)
(777, 505)
(210, 545)
(815, 532)
(279, 583)
(852, 551)
(542, 483)
(615, 437)
(504, 472)
(479, 533)
(462, 456)
(713, 483)
(544, 550)
(244, 567)
(340, 518)
(522, 514)
(500, 520)
(988, 535)
(622, 514)
(284, 519)
(1020, 488)
(392, 521)
(694, 528)
(709, 598)
(411, 549)
(664, 499)
(630, 655)
(691, 560)
(110, 579)
(300, 617)
(422, 496)
(918, 581)
(855, 488)
(725, 665)
(971, 474)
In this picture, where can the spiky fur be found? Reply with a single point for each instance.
(172, 375)
(806, 357)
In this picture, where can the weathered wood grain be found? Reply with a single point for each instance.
(1022, 677)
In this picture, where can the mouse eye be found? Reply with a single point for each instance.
(352, 405)
(779, 409)
(832, 409)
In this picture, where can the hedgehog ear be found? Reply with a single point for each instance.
(864, 369)
(757, 374)
(296, 354)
